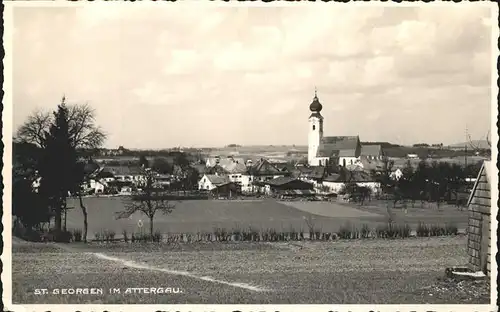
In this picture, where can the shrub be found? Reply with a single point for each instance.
(318, 234)
(404, 231)
(437, 230)
(392, 230)
(356, 234)
(108, 236)
(237, 234)
(365, 231)
(451, 229)
(98, 236)
(217, 233)
(293, 234)
(157, 236)
(125, 236)
(221, 234)
(63, 237)
(254, 234)
(273, 235)
(380, 231)
(77, 235)
(345, 232)
(19, 230)
(423, 230)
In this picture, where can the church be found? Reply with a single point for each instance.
(329, 150)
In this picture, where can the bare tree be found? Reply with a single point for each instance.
(35, 128)
(149, 201)
(477, 147)
(83, 130)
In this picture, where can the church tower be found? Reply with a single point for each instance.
(315, 130)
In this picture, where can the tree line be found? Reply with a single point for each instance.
(432, 182)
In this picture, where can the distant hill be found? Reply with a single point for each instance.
(482, 144)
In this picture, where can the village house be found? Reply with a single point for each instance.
(163, 180)
(479, 230)
(210, 181)
(223, 161)
(261, 171)
(96, 186)
(218, 185)
(134, 174)
(235, 171)
(396, 174)
(287, 186)
(335, 182)
(104, 175)
(313, 175)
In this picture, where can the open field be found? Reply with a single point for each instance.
(205, 215)
(362, 271)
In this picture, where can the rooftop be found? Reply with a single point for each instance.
(217, 180)
(343, 146)
(371, 150)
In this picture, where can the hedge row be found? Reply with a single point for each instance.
(389, 230)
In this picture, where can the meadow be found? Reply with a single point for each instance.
(195, 216)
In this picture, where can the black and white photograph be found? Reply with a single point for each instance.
(250, 154)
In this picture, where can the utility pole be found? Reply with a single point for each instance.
(466, 138)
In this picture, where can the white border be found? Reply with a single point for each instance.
(7, 160)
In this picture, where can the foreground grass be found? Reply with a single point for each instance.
(371, 271)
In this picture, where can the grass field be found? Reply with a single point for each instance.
(361, 271)
(205, 215)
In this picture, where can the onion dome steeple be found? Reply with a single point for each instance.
(315, 105)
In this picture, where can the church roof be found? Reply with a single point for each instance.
(371, 150)
(341, 146)
(317, 115)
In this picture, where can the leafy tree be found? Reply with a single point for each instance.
(405, 186)
(25, 158)
(27, 205)
(143, 161)
(149, 201)
(161, 165)
(190, 179)
(384, 178)
(181, 160)
(57, 167)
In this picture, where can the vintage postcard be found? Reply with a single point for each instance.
(212, 156)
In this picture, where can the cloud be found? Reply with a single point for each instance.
(253, 70)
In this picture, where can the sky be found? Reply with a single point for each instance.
(198, 76)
